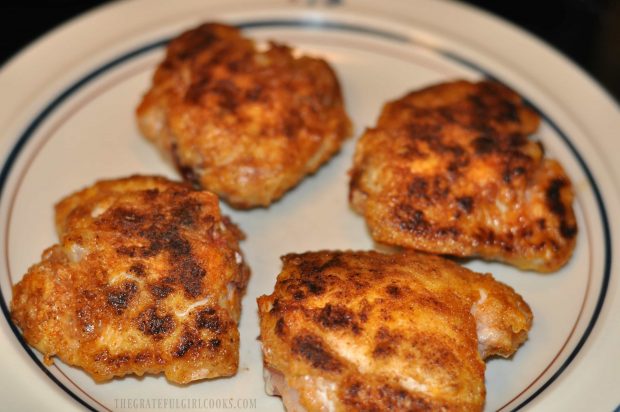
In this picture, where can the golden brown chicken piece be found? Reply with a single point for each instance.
(147, 278)
(374, 332)
(243, 123)
(449, 169)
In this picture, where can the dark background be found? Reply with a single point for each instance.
(587, 31)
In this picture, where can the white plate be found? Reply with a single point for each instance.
(66, 120)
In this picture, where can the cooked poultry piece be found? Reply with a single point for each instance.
(245, 123)
(375, 332)
(147, 278)
(450, 170)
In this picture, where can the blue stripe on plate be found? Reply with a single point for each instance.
(320, 25)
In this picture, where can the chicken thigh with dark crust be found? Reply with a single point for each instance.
(245, 123)
(450, 169)
(368, 331)
(147, 278)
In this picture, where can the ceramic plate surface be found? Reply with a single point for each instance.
(67, 120)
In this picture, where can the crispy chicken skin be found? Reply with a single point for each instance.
(449, 169)
(243, 123)
(146, 278)
(369, 331)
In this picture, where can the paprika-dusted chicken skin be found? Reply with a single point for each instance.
(368, 331)
(245, 123)
(449, 169)
(147, 278)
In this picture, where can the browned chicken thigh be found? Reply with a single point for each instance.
(245, 123)
(147, 278)
(449, 169)
(367, 331)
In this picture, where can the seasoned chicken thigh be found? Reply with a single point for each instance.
(146, 278)
(369, 331)
(449, 169)
(245, 123)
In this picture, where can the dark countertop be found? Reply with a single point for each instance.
(586, 31)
